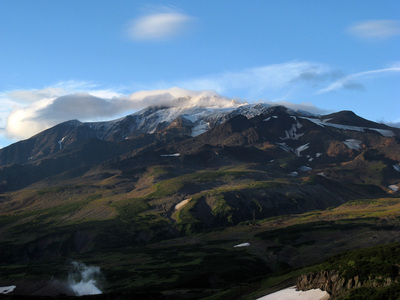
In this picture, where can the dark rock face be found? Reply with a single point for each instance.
(328, 281)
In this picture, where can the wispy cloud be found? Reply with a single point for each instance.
(264, 80)
(375, 29)
(352, 82)
(393, 124)
(156, 26)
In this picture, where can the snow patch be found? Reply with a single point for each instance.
(397, 167)
(293, 294)
(181, 204)
(200, 128)
(267, 119)
(293, 174)
(7, 289)
(242, 245)
(285, 147)
(318, 155)
(167, 155)
(353, 144)
(384, 132)
(394, 187)
(292, 132)
(305, 169)
(60, 142)
(300, 149)
(192, 118)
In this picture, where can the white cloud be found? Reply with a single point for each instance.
(159, 26)
(352, 81)
(376, 29)
(29, 119)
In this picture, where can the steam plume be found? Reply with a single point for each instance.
(83, 279)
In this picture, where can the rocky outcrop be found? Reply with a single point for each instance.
(333, 283)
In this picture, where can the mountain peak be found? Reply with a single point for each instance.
(347, 117)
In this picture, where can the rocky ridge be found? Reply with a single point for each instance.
(336, 285)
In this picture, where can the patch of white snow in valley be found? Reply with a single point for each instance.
(384, 132)
(7, 289)
(275, 117)
(181, 204)
(242, 245)
(293, 294)
(397, 167)
(300, 149)
(267, 119)
(318, 155)
(353, 144)
(394, 187)
(305, 168)
(174, 154)
(293, 173)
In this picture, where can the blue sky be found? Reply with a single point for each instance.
(91, 56)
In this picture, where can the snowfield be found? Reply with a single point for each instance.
(181, 204)
(242, 245)
(394, 187)
(7, 289)
(167, 155)
(293, 294)
(353, 144)
(305, 168)
(300, 149)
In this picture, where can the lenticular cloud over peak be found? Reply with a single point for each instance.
(25, 121)
(176, 97)
(158, 26)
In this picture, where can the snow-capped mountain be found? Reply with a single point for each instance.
(187, 126)
(192, 115)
